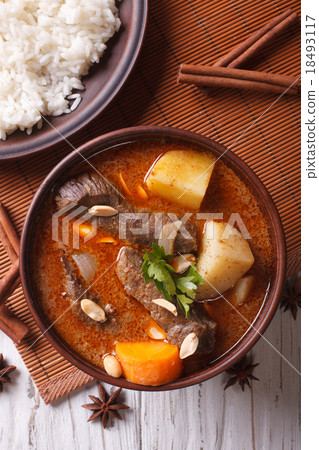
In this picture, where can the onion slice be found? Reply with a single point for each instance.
(168, 235)
(182, 262)
(86, 264)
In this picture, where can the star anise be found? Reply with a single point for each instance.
(105, 406)
(242, 372)
(4, 372)
(291, 297)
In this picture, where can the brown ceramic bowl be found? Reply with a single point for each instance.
(116, 138)
(102, 84)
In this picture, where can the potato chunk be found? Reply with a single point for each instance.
(182, 177)
(222, 261)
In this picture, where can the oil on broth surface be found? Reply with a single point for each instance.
(226, 193)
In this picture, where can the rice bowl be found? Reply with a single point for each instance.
(45, 49)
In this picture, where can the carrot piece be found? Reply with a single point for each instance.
(84, 229)
(108, 240)
(154, 331)
(150, 363)
(124, 185)
(141, 192)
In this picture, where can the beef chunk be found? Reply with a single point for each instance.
(175, 327)
(73, 284)
(76, 287)
(89, 190)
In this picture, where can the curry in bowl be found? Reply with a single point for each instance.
(152, 261)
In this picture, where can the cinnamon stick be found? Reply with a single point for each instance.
(257, 40)
(240, 74)
(8, 282)
(10, 324)
(220, 82)
(8, 235)
(7, 244)
(225, 72)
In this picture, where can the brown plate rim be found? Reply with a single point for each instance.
(263, 320)
(91, 111)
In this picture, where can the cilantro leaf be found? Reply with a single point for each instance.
(186, 287)
(189, 283)
(158, 253)
(162, 288)
(156, 268)
(184, 303)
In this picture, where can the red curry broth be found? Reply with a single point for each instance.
(91, 340)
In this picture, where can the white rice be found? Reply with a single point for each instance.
(45, 48)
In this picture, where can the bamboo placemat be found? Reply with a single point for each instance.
(190, 31)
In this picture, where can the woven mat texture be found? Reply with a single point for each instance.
(189, 31)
